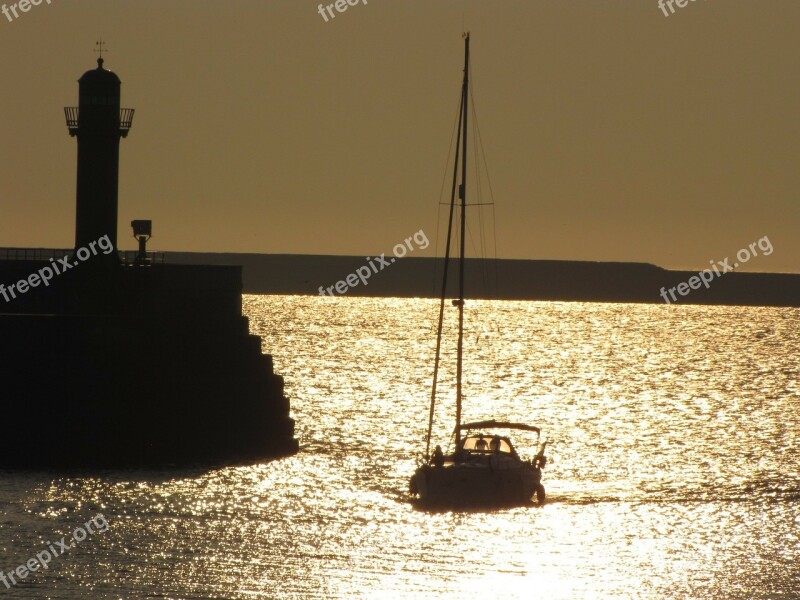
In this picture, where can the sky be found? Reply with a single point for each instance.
(611, 131)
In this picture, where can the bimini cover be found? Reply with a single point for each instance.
(492, 424)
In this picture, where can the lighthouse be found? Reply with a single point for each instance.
(99, 123)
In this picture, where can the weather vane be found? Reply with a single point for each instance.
(100, 48)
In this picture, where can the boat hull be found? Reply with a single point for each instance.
(465, 485)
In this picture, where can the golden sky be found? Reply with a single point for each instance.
(611, 132)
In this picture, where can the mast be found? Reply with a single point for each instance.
(463, 195)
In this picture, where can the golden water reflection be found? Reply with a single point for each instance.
(674, 465)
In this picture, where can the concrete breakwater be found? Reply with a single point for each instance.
(136, 366)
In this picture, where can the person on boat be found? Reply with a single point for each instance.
(481, 445)
(438, 457)
(537, 476)
(494, 445)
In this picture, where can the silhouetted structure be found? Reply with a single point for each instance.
(122, 360)
(98, 122)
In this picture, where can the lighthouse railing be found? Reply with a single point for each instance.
(72, 115)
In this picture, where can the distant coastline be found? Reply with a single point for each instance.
(502, 279)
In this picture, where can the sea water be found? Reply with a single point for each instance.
(673, 437)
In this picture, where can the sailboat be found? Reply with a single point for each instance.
(483, 468)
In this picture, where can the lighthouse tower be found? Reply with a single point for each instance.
(98, 122)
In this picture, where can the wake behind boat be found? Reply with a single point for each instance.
(484, 469)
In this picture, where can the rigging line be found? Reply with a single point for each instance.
(496, 258)
(480, 155)
(478, 246)
(491, 195)
(481, 227)
(444, 283)
(480, 250)
(480, 264)
(462, 225)
(477, 163)
(441, 193)
(472, 244)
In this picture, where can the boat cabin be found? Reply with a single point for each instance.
(487, 444)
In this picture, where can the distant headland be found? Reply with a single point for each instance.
(582, 281)
(503, 279)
